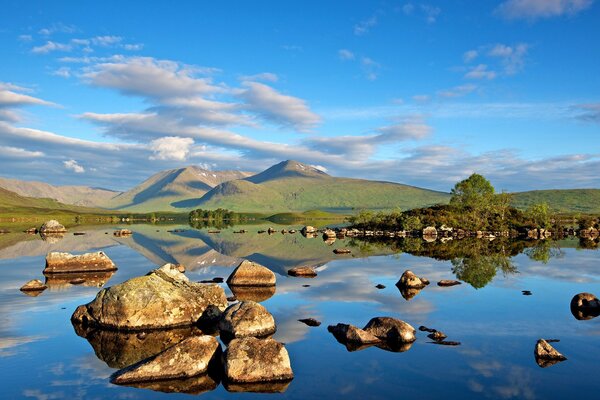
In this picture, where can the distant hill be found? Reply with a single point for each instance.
(12, 203)
(172, 190)
(76, 195)
(293, 186)
(564, 200)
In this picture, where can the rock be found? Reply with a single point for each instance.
(122, 232)
(34, 285)
(257, 360)
(546, 355)
(32, 230)
(3, 231)
(304, 272)
(447, 282)
(380, 286)
(526, 292)
(429, 231)
(410, 280)
(181, 268)
(249, 273)
(391, 330)
(78, 233)
(253, 293)
(585, 306)
(437, 336)
(52, 226)
(57, 263)
(342, 251)
(190, 357)
(426, 329)
(209, 320)
(257, 387)
(310, 321)
(329, 234)
(163, 298)
(445, 343)
(246, 318)
(345, 333)
(329, 241)
(231, 299)
(308, 229)
(77, 281)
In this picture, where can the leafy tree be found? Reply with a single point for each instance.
(540, 215)
(474, 193)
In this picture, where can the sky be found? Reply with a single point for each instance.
(425, 93)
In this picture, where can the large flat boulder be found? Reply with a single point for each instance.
(190, 357)
(52, 226)
(246, 318)
(345, 333)
(163, 298)
(391, 330)
(257, 360)
(57, 263)
(249, 273)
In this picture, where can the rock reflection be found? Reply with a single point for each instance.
(408, 293)
(253, 293)
(195, 385)
(52, 238)
(258, 387)
(91, 279)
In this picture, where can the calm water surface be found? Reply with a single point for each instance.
(42, 357)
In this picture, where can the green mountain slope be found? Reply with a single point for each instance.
(292, 186)
(565, 200)
(12, 203)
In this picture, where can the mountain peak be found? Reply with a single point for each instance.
(286, 169)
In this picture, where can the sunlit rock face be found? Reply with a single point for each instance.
(249, 273)
(546, 355)
(163, 298)
(52, 226)
(391, 330)
(585, 306)
(246, 318)
(57, 262)
(252, 360)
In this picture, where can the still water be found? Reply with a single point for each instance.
(42, 357)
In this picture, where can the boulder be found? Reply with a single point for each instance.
(249, 273)
(190, 357)
(68, 263)
(161, 299)
(546, 355)
(429, 231)
(391, 330)
(342, 251)
(448, 282)
(34, 285)
(52, 226)
(123, 232)
(304, 272)
(308, 229)
(246, 318)
(585, 306)
(345, 333)
(437, 336)
(329, 234)
(410, 280)
(257, 360)
(310, 322)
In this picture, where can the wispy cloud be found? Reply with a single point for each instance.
(513, 57)
(50, 46)
(345, 54)
(363, 27)
(480, 72)
(457, 91)
(534, 9)
(74, 166)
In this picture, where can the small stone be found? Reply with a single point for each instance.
(410, 280)
(231, 299)
(52, 226)
(446, 343)
(122, 232)
(546, 355)
(342, 251)
(34, 285)
(77, 281)
(380, 286)
(437, 336)
(310, 321)
(345, 333)
(305, 285)
(526, 292)
(447, 283)
(426, 329)
(303, 272)
(585, 306)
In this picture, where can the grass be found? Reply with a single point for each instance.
(572, 201)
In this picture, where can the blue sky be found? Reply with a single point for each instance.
(425, 93)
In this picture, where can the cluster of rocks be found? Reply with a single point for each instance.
(410, 284)
(384, 332)
(252, 360)
(438, 337)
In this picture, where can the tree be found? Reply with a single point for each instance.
(474, 193)
(540, 215)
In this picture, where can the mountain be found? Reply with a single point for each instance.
(172, 190)
(13, 204)
(564, 200)
(76, 195)
(293, 186)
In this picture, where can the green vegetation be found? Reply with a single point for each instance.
(568, 201)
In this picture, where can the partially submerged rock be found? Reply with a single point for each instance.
(52, 226)
(249, 273)
(188, 358)
(57, 263)
(448, 282)
(437, 336)
(246, 318)
(345, 333)
(161, 299)
(122, 232)
(310, 322)
(391, 330)
(34, 285)
(250, 360)
(546, 355)
(308, 229)
(63, 280)
(304, 272)
(342, 251)
(329, 234)
(585, 306)
(411, 281)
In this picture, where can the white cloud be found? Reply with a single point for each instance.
(512, 57)
(9, 98)
(533, 9)
(365, 26)
(63, 72)
(421, 98)
(480, 72)
(50, 47)
(133, 46)
(457, 91)
(57, 27)
(470, 55)
(345, 54)
(431, 12)
(265, 76)
(171, 148)
(74, 166)
(370, 68)
(16, 152)
(106, 41)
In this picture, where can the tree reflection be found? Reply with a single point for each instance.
(543, 251)
(478, 271)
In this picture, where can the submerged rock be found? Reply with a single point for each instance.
(345, 333)
(249, 273)
(411, 281)
(246, 318)
(546, 355)
(187, 358)
(257, 360)
(161, 299)
(342, 251)
(63, 280)
(34, 285)
(304, 272)
(437, 336)
(68, 263)
(447, 283)
(257, 387)
(52, 226)
(585, 306)
(310, 321)
(391, 330)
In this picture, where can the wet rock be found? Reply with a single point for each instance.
(410, 280)
(308, 229)
(77, 281)
(246, 318)
(342, 251)
(310, 321)
(253, 293)
(447, 283)
(34, 285)
(380, 286)
(526, 292)
(231, 299)
(329, 234)
(161, 299)
(68, 263)
(585, 306)
(546, 355)
(188, 358)
(391, 330)
(249, 273)
(303, 272)
(52, 226)
(122, 232)
(257, 360)
(345, 333)
(437, 336)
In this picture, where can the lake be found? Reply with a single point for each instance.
(42, 356)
